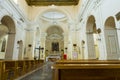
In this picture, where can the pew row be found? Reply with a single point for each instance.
(10, 70)
(86, 71)
(91, 61)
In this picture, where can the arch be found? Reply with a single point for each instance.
(111, 39)
(90, 23)
(91, 39)
(54, 9)
(60, 25)
(9, 22)
(54, 27)
(54, 39)
(110, 23)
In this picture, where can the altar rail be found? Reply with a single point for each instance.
(9, 70)
(86, 70)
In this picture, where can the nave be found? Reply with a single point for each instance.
(43, 73)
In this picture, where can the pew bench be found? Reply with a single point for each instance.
(86, 71)
(91, 61)
(10, 70)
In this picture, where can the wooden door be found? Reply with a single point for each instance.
(91, 48)
(112, 46)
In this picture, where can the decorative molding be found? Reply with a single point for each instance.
(87, 8)
(54, 36)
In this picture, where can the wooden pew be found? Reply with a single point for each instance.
(91, 61)
(21, 68)
(1, 68)
(110, 70)
(9, 70)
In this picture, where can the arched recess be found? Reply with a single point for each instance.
(3, 40)
(8, 21)
(92, 44)
(111, 39)
(54, 39)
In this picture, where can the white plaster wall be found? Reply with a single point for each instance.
(20, 35)
(76, 18)
(8, 8)
(101, 11)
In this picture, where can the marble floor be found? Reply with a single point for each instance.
(44, 73)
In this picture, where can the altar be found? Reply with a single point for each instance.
(53, 57)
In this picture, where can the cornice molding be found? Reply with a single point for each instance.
(8, 7)
(17, 11)
(87, 7)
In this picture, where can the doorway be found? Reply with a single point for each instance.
(92, 44)
(111, 39)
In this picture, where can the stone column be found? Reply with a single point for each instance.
(10, 47)
(42, 45)
(30, 37)
(70, 42)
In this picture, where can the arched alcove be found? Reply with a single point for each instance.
(8, 21)
(54, 39)
(92, 44)
(111, 39)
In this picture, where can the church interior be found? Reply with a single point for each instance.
(59, 40)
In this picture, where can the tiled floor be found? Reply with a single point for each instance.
(45, 73)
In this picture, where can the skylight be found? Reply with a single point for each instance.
(54, 15)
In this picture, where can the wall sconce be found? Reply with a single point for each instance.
(74, 45)
(83, 42)
(18, 42)
(66, 48)
(98, 30)
(29, 45)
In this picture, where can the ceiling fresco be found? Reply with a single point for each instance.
(50, 2)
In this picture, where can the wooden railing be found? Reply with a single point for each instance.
(86, 70)
(10, 70)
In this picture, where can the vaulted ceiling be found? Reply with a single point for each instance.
(50, 2)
